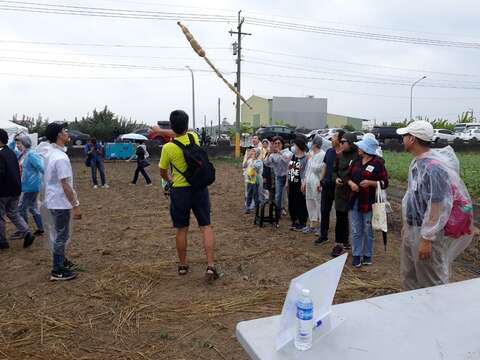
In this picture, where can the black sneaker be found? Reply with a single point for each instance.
(367, 260)
(62, 275)
(338, 250)
(39, 233)
(299, 227)
(68, 264)
(28, 240)
(4, 246)
(320, 241)
(356, 262)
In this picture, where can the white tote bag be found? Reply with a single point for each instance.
(379, 218)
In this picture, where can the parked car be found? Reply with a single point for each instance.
(444, 135)
(78, 138)
(222, 140)
(161, 134)
(386, 134)
(270, 132)
(312, 133)
(471, 135)
(359, 135)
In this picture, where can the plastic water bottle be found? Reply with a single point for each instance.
(303, 336)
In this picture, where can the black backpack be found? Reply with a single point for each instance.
(200, 172)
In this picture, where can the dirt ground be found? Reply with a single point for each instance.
(129, 303)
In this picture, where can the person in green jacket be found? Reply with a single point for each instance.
(342, 192)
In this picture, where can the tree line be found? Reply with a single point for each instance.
(103, 125)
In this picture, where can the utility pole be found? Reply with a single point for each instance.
(193, 97)
(237, 48)
(219, 124)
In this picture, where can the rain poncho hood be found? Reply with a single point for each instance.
(32, 171)
(437, 202)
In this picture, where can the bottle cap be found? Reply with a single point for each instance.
(305, 292)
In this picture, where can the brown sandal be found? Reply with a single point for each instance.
(182, 269)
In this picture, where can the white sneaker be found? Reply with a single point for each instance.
(105, 186)
(95, 186)
(149, 184)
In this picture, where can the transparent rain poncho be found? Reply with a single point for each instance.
(436, 207)
(312, 175)
(44, 149)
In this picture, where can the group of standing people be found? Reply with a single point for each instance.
(349, 177)
(24, 173)
(312, 180)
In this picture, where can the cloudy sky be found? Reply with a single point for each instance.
(360, 77)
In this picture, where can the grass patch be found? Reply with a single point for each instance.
(397, 164)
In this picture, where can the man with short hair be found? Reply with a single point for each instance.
(94, 154)
(328, 186)
(10, 190)
(437, 210)
(184, 198)
(60, 199)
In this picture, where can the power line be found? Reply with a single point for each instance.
(94, 64)
(360, 34)
(361, 64)
(359, 74)
(33, 7)
(102, 55)
(73, 77)
(360, 93)
(103, 45)
(393, 83)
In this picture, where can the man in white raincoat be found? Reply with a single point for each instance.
(437, 211)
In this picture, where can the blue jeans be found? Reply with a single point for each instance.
(28, 203)
(98, 164)
(252, 195)
(61, 223)
(362, 232)
(280, 182)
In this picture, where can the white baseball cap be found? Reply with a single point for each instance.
(420, 129)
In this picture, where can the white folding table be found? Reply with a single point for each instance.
(441, 322)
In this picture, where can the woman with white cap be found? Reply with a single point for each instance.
(363, 176)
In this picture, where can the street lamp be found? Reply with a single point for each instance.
(411, 94)
(193, 97)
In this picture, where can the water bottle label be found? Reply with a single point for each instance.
(304, 313)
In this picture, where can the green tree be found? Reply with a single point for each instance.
(442, 124)
(105, 125)
(465, 117)
(244, 128)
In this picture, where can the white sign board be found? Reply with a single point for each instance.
(322, 282)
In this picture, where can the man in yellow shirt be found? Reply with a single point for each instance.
(184, 198)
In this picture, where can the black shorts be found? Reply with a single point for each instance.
(184, 199)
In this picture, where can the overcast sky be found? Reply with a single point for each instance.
(149, 95)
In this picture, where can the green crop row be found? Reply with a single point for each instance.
(397, 164)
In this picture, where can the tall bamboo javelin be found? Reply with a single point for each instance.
(198, 49)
